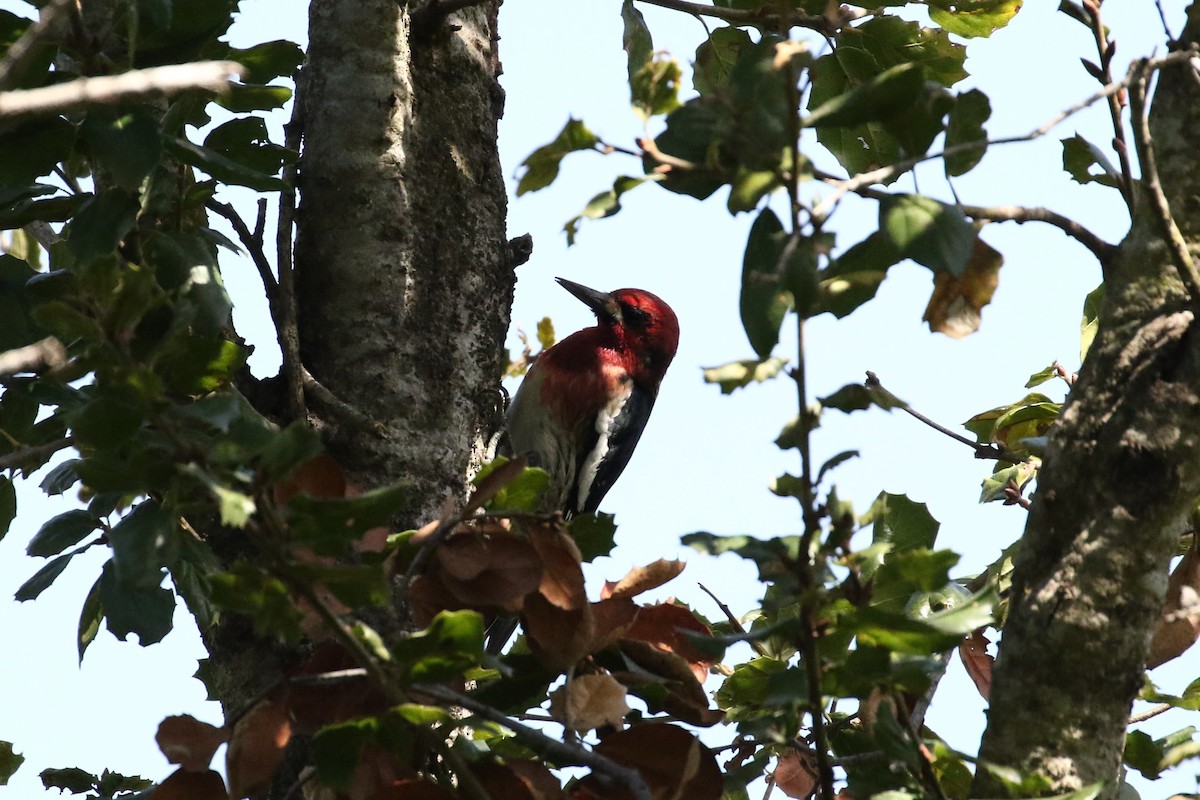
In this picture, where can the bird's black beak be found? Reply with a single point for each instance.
(602, 303)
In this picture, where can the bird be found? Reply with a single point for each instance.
(584, 403)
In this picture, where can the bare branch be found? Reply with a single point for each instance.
(289, 332)
(773, 21)
(44, 234)
(319, 392)
(985, 451)
(559, 752)
(254, 247)
(23, 456)
(1139, 77)
(210, 75)
(1115, 101)
(37, 357)
(1150, 713)
(23, 49)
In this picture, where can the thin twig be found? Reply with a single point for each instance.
(334, 404)
(1139, 76)
(1150, 713)
(37, 357)
(31, 454)
(883, 174)
(771, 21)
(985, 451)
(1114, 103)
(559, 752)
(254, 248)
(1102, 250)
(24, 48)
(733, 621)
(212, 76)
(289, 331)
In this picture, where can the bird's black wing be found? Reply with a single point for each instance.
(617, 434)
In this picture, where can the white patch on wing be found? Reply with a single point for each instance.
(605, 423)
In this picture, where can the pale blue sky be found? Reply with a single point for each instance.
(705, 460)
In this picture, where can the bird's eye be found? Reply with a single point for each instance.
(634, 315)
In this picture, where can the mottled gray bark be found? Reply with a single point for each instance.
(403, 277)
(1123, 464)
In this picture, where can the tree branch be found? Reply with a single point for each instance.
(863, 179)
(19, 458)
(1115, 100)
(23, 49)
(983, 451)
(254, 247)
(289, 332)
(773, 21)
(337, 405)
(559, 752)
(1139, 77)
(37, 357)
(210, 75)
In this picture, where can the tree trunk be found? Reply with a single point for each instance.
(403, 278)
(1123, 465)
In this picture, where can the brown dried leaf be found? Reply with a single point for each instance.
(661, 626)
(256, 749)
(1178, 629)
(642, 579)
(957, 302)
(973, 652)
(562, 573)
(684, 698)
(613, 617)
(320, 476)
(558, 637)
(314, 705)
(496, 480)
(589, 701)
(489, 570)
(187, 785)
(518, 780)
(188, 742)
(796, 773)
(672, 762)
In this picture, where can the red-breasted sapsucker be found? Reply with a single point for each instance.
(584, 403)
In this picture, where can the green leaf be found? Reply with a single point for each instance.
(994, 485)
(1143, 754)
(71, 779)
(715, 58)
(336, 748)
(242, 98)
(90, 617)
(541, 167)
(737, 374)
(653, 79)
(1080, 157)
(8, 505)
(965, 129)
(221, 167)
(332, 524)
(101, 224)
(59, 479)
(286, 450)
(105, 421)
(603, 205)
(32, 149)
(859, 397)
(144, 542)
(10, 762)
(900, 522)
(452, 644)
(1090, 325)
(196, 365)
(930, 232)
(972, 18)
(245, 140)
(695, 133)
(42, 579)
(594, 534)
(141, 609)
(263, 598)
(763, 304)
(523, 493)
(269, 60)
(61, 532)
(126, 146)
(747, 688)
(356, 585)
(880, 98)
